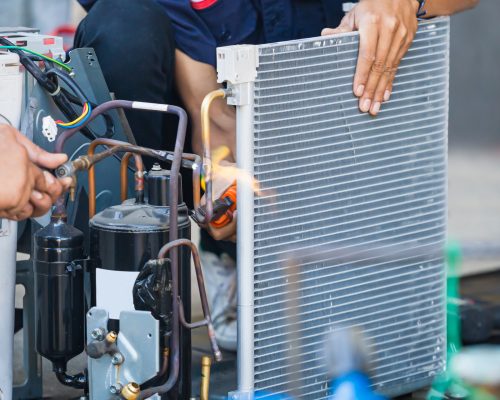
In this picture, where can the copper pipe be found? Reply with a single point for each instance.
(162, 255)
(205, 139)
(161, 373)
(174, 254)
(91, 171)
(139, 175)
(206, 362)
(124, 176)
(197, 166)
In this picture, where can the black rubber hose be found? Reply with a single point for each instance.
(78, 381)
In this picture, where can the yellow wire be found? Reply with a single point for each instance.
(84, 114)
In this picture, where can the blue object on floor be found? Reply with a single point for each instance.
(353, 386)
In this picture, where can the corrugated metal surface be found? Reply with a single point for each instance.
(333, 177)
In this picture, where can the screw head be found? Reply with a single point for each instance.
(116, 388)
(117, 359)
(98, 334)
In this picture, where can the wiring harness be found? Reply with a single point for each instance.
(49, 79)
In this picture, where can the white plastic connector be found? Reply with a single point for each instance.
(49, 128)
(237, 64)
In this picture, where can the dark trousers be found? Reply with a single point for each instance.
(135, 46)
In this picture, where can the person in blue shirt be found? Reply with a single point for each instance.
(164, 51)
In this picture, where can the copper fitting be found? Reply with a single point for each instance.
(206, 363)
(131, 391)
(72, 188)
(111, 337)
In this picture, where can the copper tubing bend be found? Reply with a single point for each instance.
(139, 175)
(205, 139)
(91, 171)
(207, 321)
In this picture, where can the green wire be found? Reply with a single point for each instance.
(62, 65)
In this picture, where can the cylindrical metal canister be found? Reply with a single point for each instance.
(123, 238)
(60, 310)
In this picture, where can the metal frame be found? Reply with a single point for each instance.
(238, 66)
(8, 238)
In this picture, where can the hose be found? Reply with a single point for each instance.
(78, 381)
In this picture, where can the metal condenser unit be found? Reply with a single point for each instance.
(330, 177)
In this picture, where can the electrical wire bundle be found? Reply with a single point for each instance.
(49, 79)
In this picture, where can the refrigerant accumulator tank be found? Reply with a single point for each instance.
(59, 286)
(123, 238)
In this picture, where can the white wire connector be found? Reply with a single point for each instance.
(49, 128)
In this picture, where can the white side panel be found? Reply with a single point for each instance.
(114, 291)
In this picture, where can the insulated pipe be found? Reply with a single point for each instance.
(205, 139)
(8, 240)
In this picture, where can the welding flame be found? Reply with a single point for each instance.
(228, 173)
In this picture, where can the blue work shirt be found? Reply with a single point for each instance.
(200, 26)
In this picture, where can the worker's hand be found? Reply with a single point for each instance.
(223, 176)
(25, 190)
(386, 31)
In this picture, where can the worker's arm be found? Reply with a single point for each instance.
(436, 8)
(386, 31)
(25, 189)
(194, 81)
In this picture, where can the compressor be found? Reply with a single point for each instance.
(127, 302)
(123, 238)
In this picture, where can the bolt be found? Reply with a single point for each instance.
(117, 359)
(116, 388)
(98, 334)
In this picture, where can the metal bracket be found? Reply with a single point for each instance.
(241, 94)
(138, 344)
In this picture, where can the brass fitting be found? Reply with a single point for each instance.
(111, 337)
(131, 391)
(82, 163)
(206, 363)
(72, 188)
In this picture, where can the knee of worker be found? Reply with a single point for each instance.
(134, 43)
